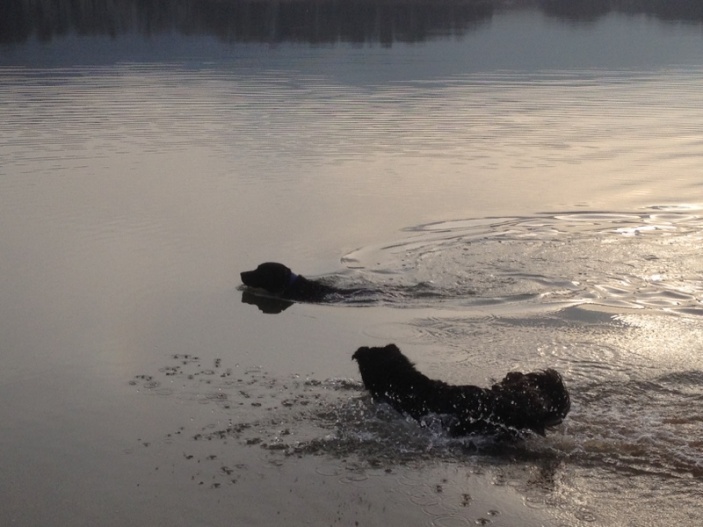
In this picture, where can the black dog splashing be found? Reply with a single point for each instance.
(520, 402)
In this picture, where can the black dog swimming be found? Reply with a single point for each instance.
(278, 280)
(520, 402)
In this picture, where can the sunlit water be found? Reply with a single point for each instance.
(501, 214)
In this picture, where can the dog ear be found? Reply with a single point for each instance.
(513, 377)
(357, 354)
(273, 265)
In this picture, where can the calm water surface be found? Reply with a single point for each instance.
(521, 185)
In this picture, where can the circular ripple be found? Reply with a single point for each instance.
(644, 260)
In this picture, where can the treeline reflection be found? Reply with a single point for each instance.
(309, 21)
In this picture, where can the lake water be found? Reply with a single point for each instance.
(521, 185)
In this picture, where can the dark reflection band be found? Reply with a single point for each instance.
(307, 21)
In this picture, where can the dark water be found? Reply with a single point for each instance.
(517, 185)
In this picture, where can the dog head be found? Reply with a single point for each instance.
(535, 401)
(379, 366)
(271, 276)
(380, 359)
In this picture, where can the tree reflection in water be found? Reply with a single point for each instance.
(307, 21)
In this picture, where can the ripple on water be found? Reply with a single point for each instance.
(639, 426)
(643, 260)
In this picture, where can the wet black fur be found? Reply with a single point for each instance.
(277, 279)
(520, 402)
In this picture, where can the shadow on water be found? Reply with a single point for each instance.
(266, 304)
(308, 21)
(369, 293)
